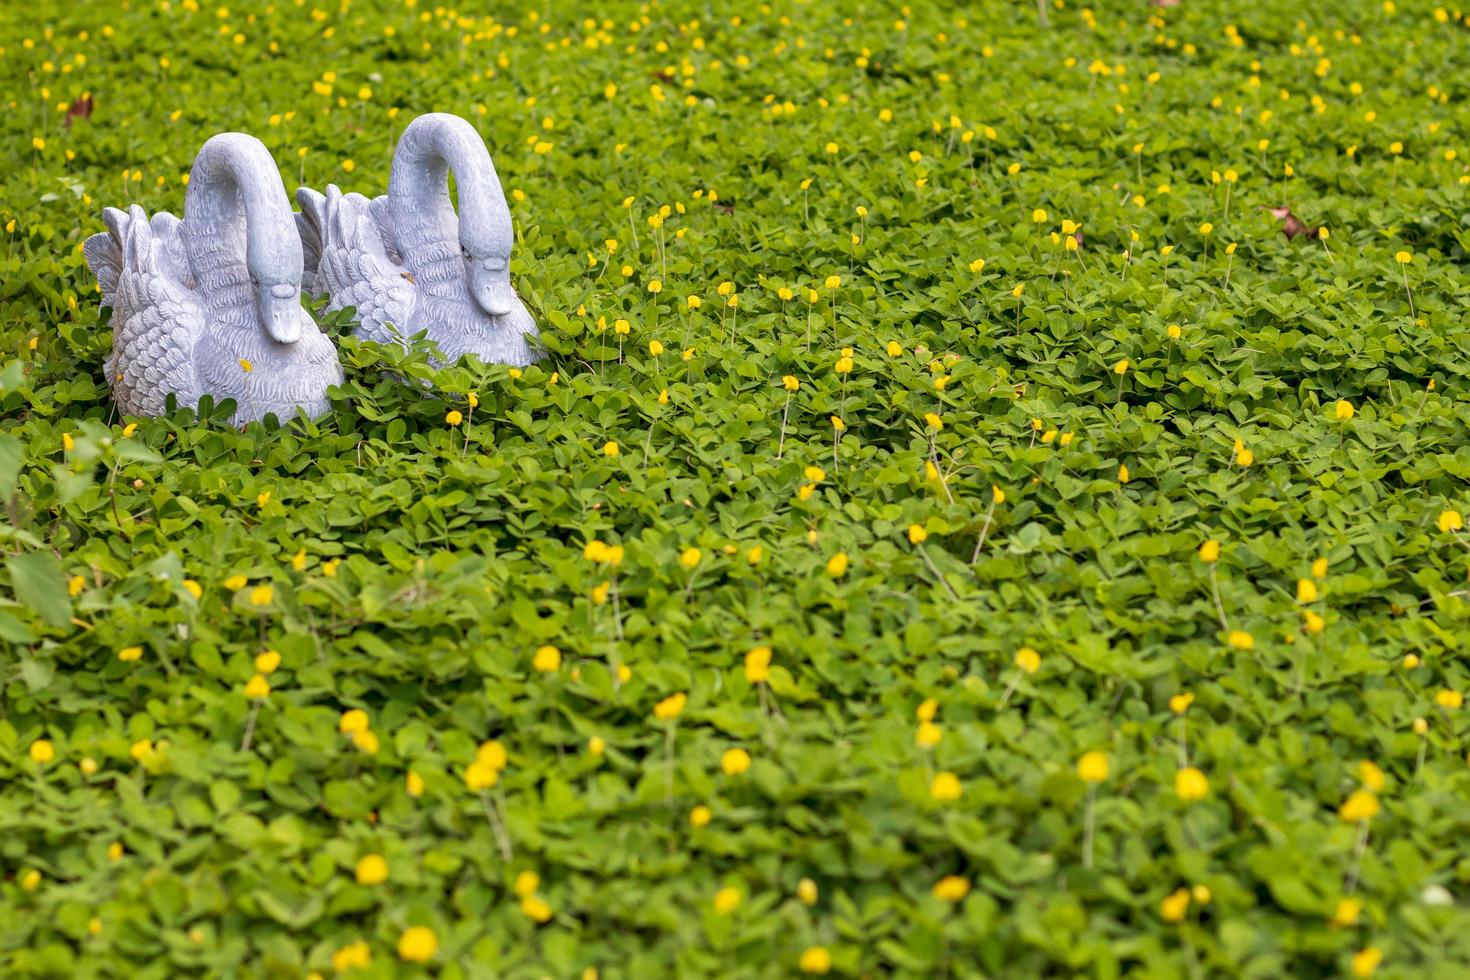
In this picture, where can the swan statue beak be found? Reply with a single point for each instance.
(279, 309)
(490, 286)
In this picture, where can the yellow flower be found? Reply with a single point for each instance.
(1421, 727)
(1180, 703)
(1451, 520)
(1346, 913)
(480, 775)
(31, 880)
(926, 710)
(833, 282)
(546, 659)
(1190, 784)
(1175, 906)
(413, 784)
(1306, 590)
(789, 382)
(257, 687)
(453, 417)
(535, 909)
(727, 900)
(1123, 475)
(141, 749)
(610, 448)
(88, 766)
(1093, 767)
(1038, 216)
(952, 888)
(1028, 660)
(1240, 640)
(246, 366)
(1448, 699)
(946, 787)
(1371, 775)
(1365, 961)
(526, 883)
(831, 148)
(735, 761)
(262, 595)
(1360, 806)
(837, 565)
(815, 474)
(1403, 258)
(1209, 551)
(670, 707)
(365, 741)
(758, 664)
(1319, 568)
(42, 751)
(493, 754)
(806, 891)
(418, 944)
(372, 870)
(129, 654)
(933, 421)
(917, 534)
(928, 735)
(235, 582)
(843, 365)
(700, 816)
(193, 588)
(1343, 410)
(1174, 331)
(352, 957)
(815, 959)
(38, 143)
(353, 721)
(997, 495)
(690, 557)
(655, 286)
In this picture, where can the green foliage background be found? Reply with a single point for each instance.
(461, 548)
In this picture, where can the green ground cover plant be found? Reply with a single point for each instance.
(955, 528)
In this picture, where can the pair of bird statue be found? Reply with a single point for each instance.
(211, 304)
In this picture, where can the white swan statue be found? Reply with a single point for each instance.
(211, 305)
(407, 263)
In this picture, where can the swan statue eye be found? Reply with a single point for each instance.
(254, 281)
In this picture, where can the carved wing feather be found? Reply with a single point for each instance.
(156, 321)
(355, 269)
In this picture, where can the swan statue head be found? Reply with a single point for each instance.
(237, 205)
(432, 146)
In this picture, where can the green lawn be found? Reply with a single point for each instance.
(1015, 720)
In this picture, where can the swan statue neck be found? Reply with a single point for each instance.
(240, 216)
(418, 186)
